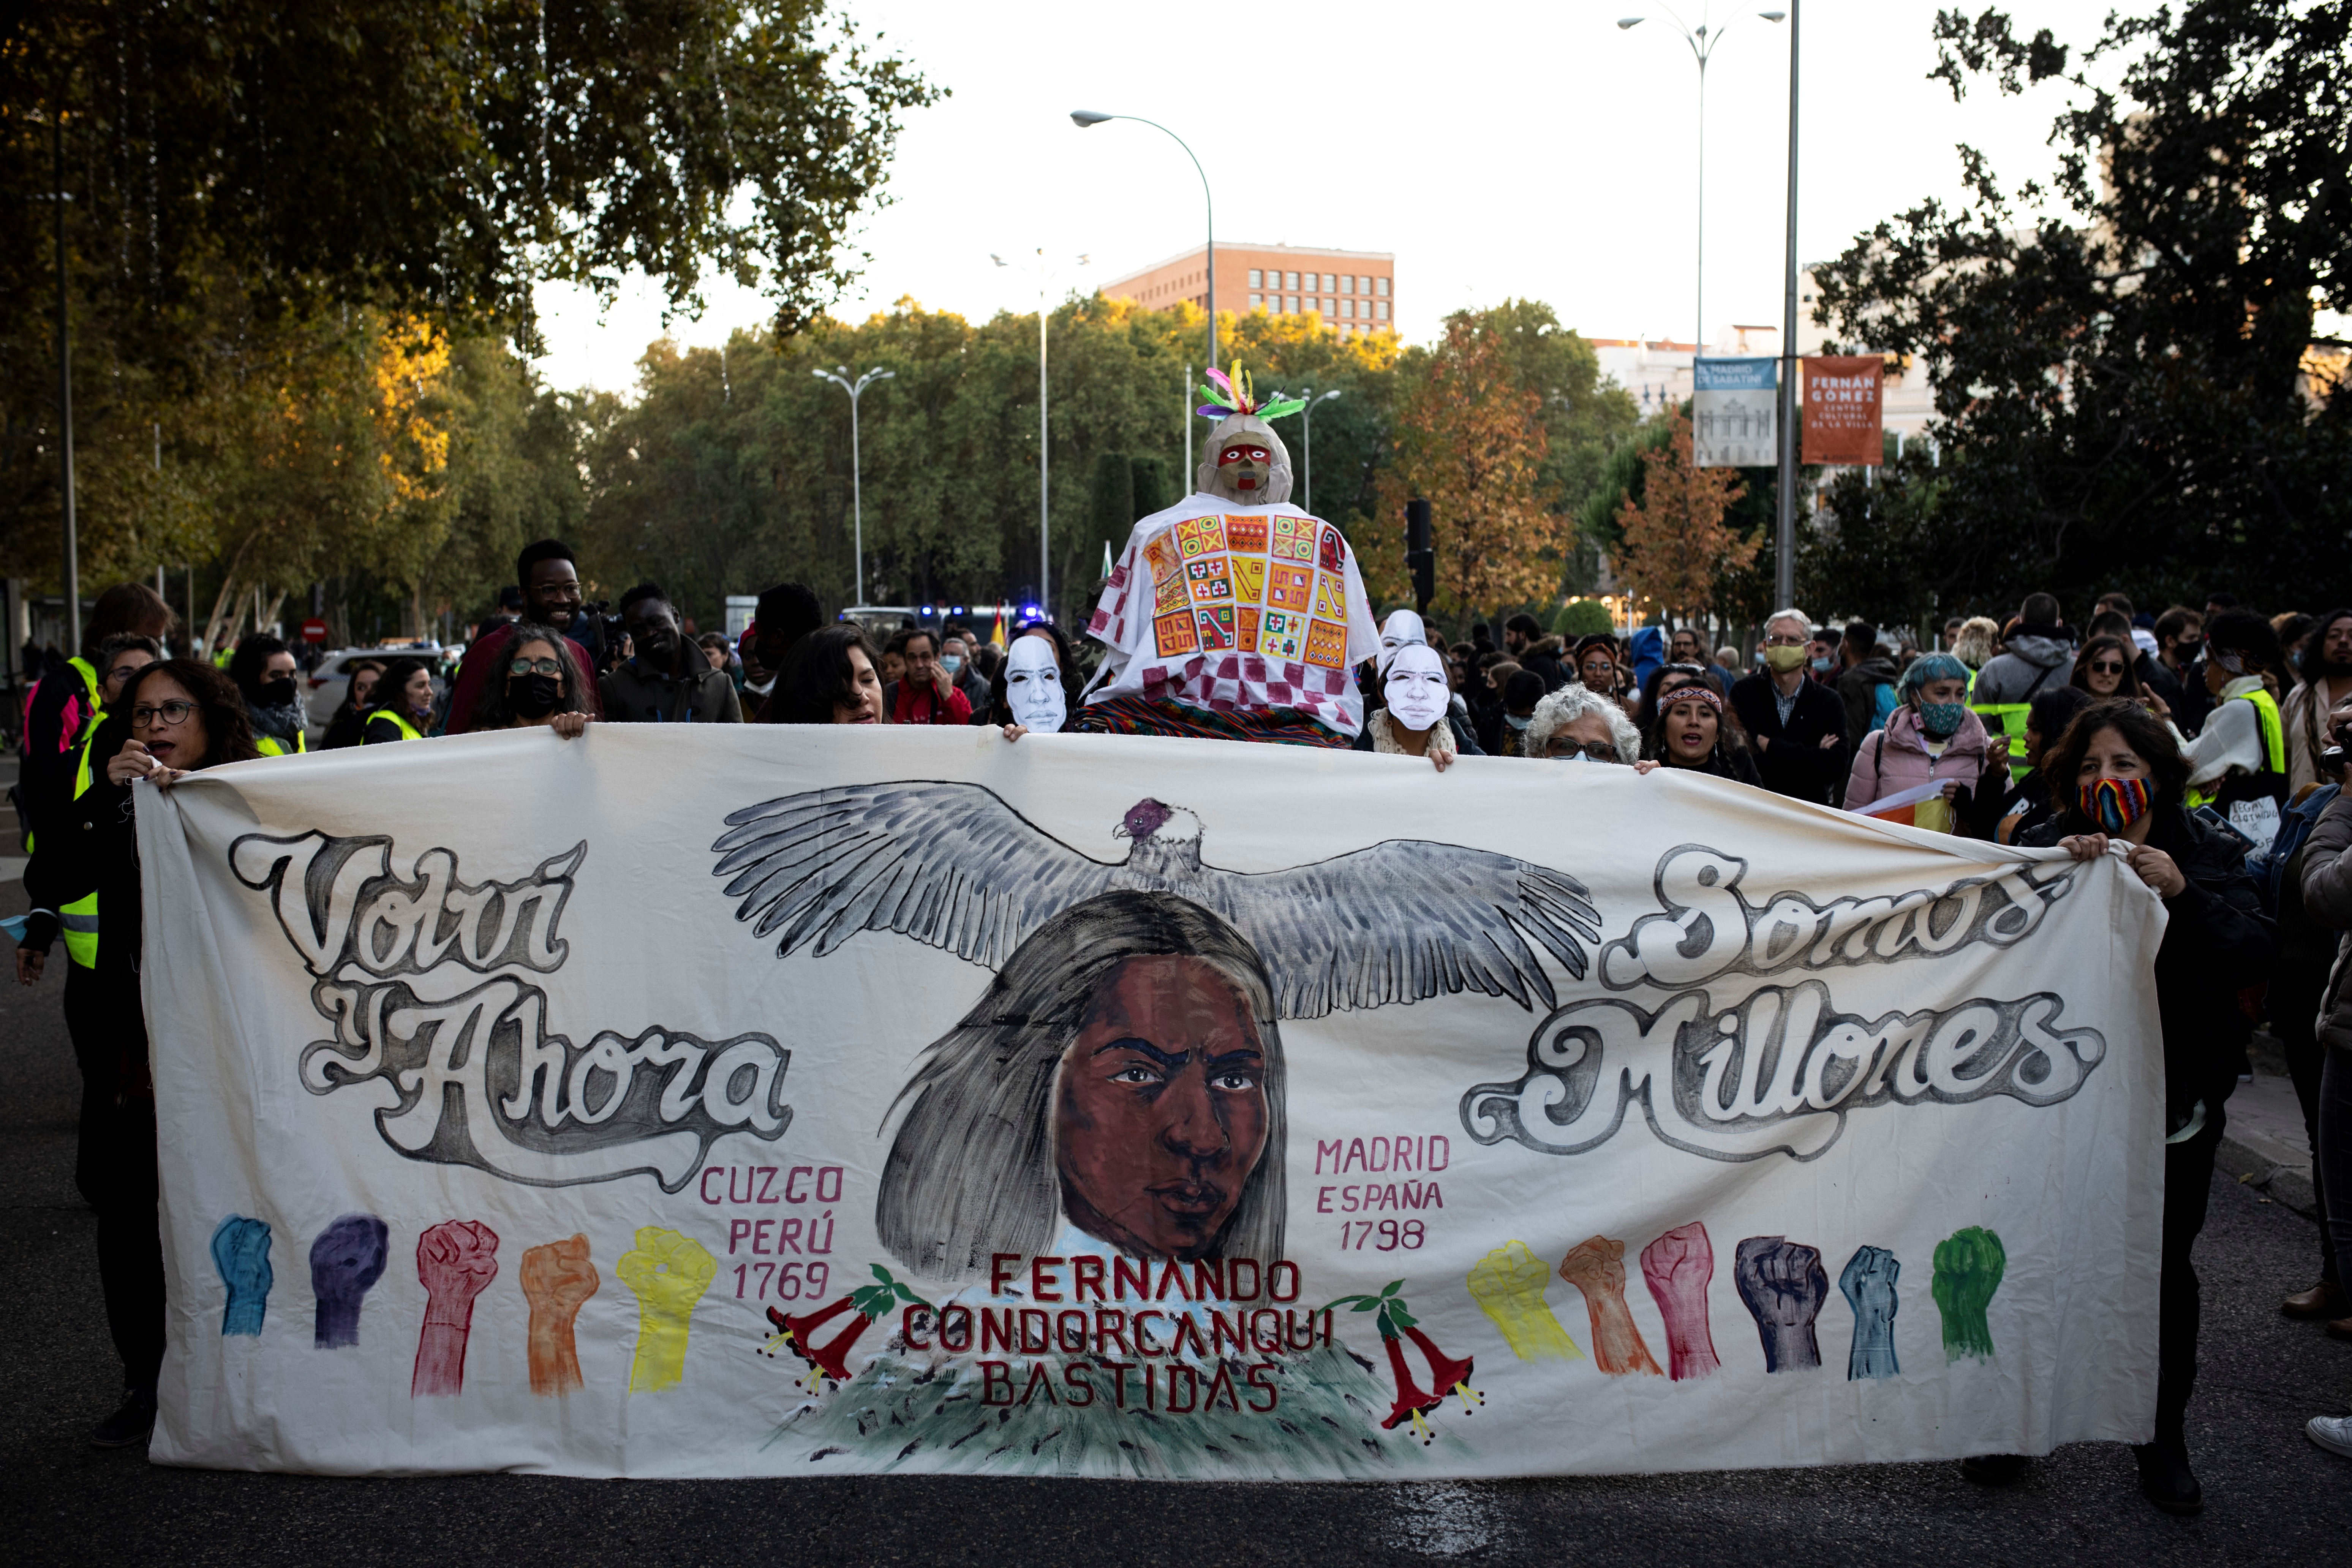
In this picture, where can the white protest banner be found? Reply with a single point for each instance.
(1735, 406)
(747, 1100)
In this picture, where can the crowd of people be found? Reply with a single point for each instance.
(2206, 746)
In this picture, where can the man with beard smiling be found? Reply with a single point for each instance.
(666, 679)
(263, 669)
(2327, 681)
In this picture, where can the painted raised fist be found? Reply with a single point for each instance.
(668, 1272)
(1597, 1268)
(346, 1260)
(455, 1260)
(1677, 1267)
(1508, 1284)
(1783, 1285)
(1868, 1284)
(557, 1278)
(1968, 1266)
(241, 1253)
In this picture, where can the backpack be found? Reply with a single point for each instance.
(2268, 867)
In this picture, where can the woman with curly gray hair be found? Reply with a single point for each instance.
(1578, 724)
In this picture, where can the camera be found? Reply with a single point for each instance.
(597, 629)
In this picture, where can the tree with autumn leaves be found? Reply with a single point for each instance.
(1673, 548)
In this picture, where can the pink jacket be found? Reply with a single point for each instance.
(1892, 760)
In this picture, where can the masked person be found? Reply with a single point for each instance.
(550, 582)
(1522, 690)
(404, 703)
(2236, 763)
(172, 717)
(1032, 693)
(1933, 738)
(1416, 718)
(1694, 729)
(263, 670)
(1797, 723)
(540, 689)
(350, 716)
(2129, 782)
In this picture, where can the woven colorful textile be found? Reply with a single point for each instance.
(1142, 716)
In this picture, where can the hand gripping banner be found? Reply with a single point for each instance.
(743, 1100)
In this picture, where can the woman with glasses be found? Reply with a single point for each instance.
(2106, 668)
(1577, 724)
(537, 685)
(172, 718)
(404, 703)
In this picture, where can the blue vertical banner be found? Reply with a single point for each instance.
(1735, 409)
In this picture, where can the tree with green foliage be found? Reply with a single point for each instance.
(2132, 395)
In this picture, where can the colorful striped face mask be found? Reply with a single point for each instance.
(2116, 803)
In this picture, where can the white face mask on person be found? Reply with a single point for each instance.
(1415, 687)
(1033, 685)
(1402, 629)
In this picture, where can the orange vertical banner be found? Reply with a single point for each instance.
(1843, 409)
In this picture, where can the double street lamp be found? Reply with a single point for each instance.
(839, 376)
(1784, 531)
(1702, 47)
(1044, 277)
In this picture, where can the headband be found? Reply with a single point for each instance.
(1703, 693)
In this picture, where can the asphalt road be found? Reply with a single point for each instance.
(2272, 1497)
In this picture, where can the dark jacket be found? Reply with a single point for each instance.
(58, 715)
(2218, 942)
(1793, 761)
(2327, 898)
(634, 692)
(1465, 744)
(1724, 764)
(91, 845)
(1858, 689)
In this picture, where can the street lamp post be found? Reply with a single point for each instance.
(1702, 47)
(1784, 531)
(839, 376)
(1086, 117)
(1044, 507)
(1306, 418)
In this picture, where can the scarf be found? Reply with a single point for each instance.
(1441, 737)
(283, 722)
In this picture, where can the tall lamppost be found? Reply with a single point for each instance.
(1307, 417)
(1702, 46)
(1044, 277)
(1086, 117)
(1784, 533)
(839, 376)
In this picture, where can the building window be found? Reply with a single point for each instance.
(1291, 307)
(1347, 306)
(1382, 310)
(1347, 283)
(1381, 287)
(1257, 278)
(1255, 301)
(1293, 283)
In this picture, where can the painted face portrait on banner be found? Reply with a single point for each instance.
(1033, 685)
(1415, 686)
(1404, 628)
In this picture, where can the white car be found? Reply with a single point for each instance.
(327, 686)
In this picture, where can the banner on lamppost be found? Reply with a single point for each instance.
(1843, 409)
(1735, 406)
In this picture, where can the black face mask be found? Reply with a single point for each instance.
(277, 693)
(535, 696)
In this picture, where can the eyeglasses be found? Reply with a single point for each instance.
(1591, 751)
(161, 715)
(2107, 669)
(535, 666)
(1785, 640)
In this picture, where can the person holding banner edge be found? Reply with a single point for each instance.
(173, 717)
(2128, 783)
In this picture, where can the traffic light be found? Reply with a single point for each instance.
(1419, 557)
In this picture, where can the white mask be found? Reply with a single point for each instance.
(1415, 686)
(1033, 685)
(1402, 629)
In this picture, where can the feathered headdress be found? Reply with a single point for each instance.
(1227, 399)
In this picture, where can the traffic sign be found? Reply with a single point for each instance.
(314, 630)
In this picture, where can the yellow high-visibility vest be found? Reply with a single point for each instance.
(408, 731)
(2266, 713)
(272, 746)
(78, 921)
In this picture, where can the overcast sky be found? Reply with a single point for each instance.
(1498, 150)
